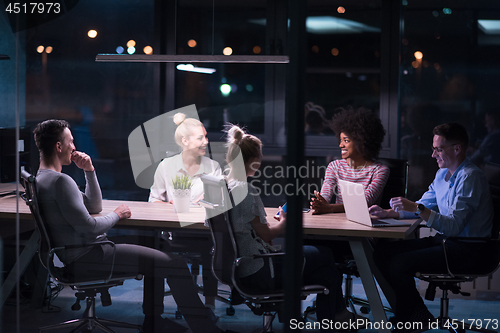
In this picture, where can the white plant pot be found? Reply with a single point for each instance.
(182, 200)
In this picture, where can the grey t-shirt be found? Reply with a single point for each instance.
(66, 212)
(242, 214)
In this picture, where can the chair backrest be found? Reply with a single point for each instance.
(217, 201)
(46, 252)
(397, 184)
(30, 197)
(492, 172)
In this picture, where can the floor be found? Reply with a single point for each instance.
(127, 307)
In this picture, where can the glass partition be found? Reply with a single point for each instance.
(343, 65)
(448, 73)
(447, 67)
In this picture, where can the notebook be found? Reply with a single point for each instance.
(356, 207)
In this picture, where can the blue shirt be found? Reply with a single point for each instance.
(461, 205)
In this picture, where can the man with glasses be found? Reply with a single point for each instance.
(458, 203)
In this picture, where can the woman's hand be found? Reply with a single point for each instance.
(197, 199)
(282, 215)
(319, 205)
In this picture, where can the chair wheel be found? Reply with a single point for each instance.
(230, 311)
(178, 314)
(364, 309)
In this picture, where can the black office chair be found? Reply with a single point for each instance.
(226, 259)
(397, 186)
(193, 247)
(451, 279)
(85, 287)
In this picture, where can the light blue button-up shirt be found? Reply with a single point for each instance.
(461, 205)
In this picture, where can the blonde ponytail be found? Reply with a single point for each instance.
(238, 141)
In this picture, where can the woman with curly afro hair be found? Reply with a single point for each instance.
(360, 134)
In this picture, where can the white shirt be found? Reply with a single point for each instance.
(173, 166)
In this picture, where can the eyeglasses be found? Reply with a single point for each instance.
(439, 150)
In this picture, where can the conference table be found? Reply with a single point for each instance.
(161, 217)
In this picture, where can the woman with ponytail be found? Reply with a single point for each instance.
(254, 234)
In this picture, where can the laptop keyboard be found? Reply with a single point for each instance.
(375, 221)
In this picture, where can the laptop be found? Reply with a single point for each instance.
(356, 207)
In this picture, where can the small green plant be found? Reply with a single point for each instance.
(182, 182)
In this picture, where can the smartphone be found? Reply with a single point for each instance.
(277, 216)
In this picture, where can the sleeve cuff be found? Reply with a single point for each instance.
(431, 218)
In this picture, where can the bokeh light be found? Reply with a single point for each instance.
(192, 43)
(120, 50)
(131, 50)
(227, 51)
(315, 49)
(131, 43)
(335, 51)
(418, 55)
(148, 50)
(341, 10)
(257, 49)
(92, 33)
(40, 49)
(49, 49)
(225, 89)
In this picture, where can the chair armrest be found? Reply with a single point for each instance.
(237, 261)
(266, 255)
(76, 246)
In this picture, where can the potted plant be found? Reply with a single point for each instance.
(182, 193)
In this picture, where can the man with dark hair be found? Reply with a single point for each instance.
(67, 211)
(458, 203)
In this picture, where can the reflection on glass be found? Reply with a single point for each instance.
(457, 81)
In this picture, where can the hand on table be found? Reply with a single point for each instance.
(123, 212)
(319, 205)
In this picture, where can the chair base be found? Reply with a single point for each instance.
(444, 322)
(89, 322)
(351, 300)
(365, 305)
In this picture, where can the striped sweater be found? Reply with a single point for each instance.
(373, 177)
